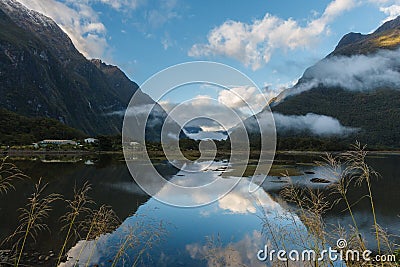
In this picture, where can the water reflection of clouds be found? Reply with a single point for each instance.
(240, 253)
(238, 214)
(239, 200)
(86, 252)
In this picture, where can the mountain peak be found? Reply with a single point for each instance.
(386, 36)
(350, 38)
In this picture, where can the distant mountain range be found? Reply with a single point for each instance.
(42, 74)
(358, 84)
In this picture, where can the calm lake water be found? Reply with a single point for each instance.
(230, 230)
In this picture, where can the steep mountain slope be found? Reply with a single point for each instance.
(42, 74)
(375, 113)
(362, 92)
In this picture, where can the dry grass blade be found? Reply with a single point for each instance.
(218, 255)
(9, 172)
(97, 223)
(77, 207)
(357, 168)
(141, 237)
(32, 218)
(310, 206)
(101, 221)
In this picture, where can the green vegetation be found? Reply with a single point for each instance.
(390, 40)
(109, 143)
(19, 130)
(375, 113)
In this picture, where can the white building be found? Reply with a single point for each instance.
(90, 140)
(57, 142)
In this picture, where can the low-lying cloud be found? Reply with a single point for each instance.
(315, 124)
(354, 73)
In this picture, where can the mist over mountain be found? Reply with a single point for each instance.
(358, 63)
(352, 94)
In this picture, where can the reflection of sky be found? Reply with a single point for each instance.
(235, 218)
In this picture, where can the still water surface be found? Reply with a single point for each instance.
(231, 229)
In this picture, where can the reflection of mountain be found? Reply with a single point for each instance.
(111, 183)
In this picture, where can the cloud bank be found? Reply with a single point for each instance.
(315, 124)
(355, 73)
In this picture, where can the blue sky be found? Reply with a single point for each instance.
(143, 37)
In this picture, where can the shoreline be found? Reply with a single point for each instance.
(16, 152)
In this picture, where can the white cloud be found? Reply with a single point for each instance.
(240, 253)
(220, 116)
(166, 10)
(119, 4)
(167, 41)
(389, 7)
(207, 135)
(253, 44)
(246, 98)
(238, 200)
(392, 11)
(354, 73)
(314, 123)
(79, 21)
(228, 109)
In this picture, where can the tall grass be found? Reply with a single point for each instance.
(141, 237)
(97, 223)
(350, 169)
(82, 221)
(9, 173)
(361, 172)
(32, 219)
(78, 206)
